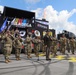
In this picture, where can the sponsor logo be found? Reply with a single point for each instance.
(42, 26)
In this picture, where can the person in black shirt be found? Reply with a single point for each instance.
(47, 40)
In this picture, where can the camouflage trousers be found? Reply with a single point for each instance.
(63, 48)
(29, 49)
(36, 49)
(17, 52)
(7, 52)
(72, 49)
(54, 50)
(43, 48)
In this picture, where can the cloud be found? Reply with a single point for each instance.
(38, 12)
(57, 20)
(32, 1)
(1, 8)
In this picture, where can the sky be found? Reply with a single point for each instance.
(61, 14)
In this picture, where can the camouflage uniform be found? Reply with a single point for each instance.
(28, 43)
(7, 46)
(68, 45)
(25, 47)
(72, 45)
(12, 32)
(36, 42)
(18, 46)
(63, 44)
(54, 46)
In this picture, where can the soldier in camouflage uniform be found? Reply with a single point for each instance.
(36, 42)
(12, 32)
(54, 45)
(72, 45)
(68, 45)
(7, 38)
(63, 44)
(28, 43)
(18, 46)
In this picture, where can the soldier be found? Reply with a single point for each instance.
(47, 45)
(28, 43)
(7, 38)
(18, 46)
(54, 45)
(63, 44)
(68, 45)
(36, 42)
(12, 32)
(16, 32)
(72, 45)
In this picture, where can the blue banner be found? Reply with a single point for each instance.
(3, 26)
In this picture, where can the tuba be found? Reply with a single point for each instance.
(37, 33)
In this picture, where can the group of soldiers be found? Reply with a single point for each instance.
(52, 45)
(67, 44)
(12, 40)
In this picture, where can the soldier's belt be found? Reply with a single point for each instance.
(6, 45)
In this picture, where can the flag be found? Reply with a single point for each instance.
(4, 25)
(12, 23)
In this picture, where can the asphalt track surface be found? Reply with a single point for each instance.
(61, 65)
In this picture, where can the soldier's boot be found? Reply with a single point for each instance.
(68, 51)
(9, 60)
(72, 52)
(19, 58)
(6, 61)
(28, 55)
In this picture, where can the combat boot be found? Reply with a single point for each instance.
(9, 60)
(28, 57)
(6, 61)
(19, 59)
